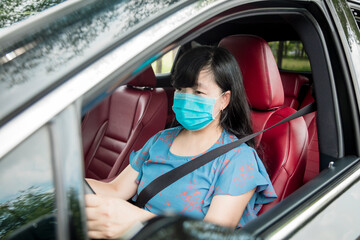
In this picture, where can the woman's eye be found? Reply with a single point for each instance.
(198, 92)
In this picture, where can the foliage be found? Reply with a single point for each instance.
(296, 64)
(12, 11)
(290, 55)
(165, 63)
(30, 205)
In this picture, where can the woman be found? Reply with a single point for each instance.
(211, 106)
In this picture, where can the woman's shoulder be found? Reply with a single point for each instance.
(230, 137)
(244, 149)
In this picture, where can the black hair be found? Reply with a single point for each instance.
(235, 118)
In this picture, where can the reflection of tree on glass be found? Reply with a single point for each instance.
(66, 44)
(14, 11)
(27, 196)
(31, 205)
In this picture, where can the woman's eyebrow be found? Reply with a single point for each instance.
(198, 85)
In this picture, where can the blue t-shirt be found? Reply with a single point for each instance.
(234, 173)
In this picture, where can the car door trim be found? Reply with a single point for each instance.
(305, 216)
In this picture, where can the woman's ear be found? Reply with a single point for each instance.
(226, 99)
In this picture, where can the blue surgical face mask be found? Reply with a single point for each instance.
(194, 112)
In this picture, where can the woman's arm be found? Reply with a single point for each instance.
(227, 210)
(123, 186)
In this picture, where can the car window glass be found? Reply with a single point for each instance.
(27, 196)
(14, 11)
(165, 63)
(290, 55)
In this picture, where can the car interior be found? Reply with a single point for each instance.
(124, 121)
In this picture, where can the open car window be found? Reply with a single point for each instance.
(312, 56)
(165, 63)
(290, 55)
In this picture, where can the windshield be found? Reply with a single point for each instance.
(47, 57)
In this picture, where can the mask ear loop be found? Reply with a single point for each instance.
(221, 109)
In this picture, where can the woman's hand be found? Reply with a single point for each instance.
(111, 217)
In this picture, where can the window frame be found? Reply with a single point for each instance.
(68, 168)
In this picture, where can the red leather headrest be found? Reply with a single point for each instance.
(261, 75)
(145, 79)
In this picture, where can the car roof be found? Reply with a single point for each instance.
(44, 51)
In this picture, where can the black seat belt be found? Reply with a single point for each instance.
(175, 174)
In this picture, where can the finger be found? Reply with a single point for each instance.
(92, 213)
(96, 235)
(94, 225)
(92, 200)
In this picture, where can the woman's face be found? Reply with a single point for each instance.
(207, 87)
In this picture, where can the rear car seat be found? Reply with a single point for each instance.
(121, 123)
(312, 156)
(284, 147)
(292, 84)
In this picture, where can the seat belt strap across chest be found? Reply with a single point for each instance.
(175, 174)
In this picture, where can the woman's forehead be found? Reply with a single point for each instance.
(205, 79)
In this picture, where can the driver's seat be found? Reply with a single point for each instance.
(282, 148)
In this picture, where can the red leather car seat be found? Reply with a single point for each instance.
(121, 123)
(312, 156)
(283, 147)
(292, 83)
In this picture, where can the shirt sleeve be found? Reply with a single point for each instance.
(137, 159)
(241, 171)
